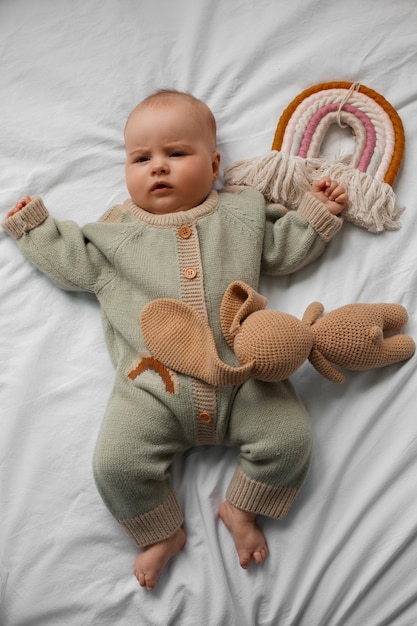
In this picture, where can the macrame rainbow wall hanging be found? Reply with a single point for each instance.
(285, 173)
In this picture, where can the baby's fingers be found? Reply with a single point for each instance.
(322, 184)
(19, 206)
(337, 193)
(25, 201)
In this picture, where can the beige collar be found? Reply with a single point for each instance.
(167, 220)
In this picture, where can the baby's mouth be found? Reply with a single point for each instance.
(159, 186)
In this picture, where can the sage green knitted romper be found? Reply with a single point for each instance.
(131, 257)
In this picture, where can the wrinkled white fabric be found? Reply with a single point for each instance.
(70, 72)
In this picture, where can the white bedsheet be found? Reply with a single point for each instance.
(70, 72)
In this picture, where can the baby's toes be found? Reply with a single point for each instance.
(244, 559)
(260, 555)
(143, 579)
(150, 582)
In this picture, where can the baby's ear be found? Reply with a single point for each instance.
(216, 164)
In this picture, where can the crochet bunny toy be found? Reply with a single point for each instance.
(271, 345)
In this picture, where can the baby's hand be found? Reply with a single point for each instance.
(19, 206)
(329, 192)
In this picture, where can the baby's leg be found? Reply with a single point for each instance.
(132, 460)
(150, 563)
(249, 540)
(272, 429)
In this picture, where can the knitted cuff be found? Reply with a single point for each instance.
(324, 223)
(156, 525)
(26, 219)
(256, 497)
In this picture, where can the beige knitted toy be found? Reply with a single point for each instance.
(271, 345)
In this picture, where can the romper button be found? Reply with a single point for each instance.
(184, 232)
(205, 417)
(190, 273)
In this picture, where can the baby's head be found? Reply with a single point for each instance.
(171, 156)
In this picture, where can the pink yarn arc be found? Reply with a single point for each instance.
(312, 125)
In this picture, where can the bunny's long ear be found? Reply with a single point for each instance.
(238, 302)
(181, 339)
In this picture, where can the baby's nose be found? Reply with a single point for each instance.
(160, 167)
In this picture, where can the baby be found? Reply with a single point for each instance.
(177, 237)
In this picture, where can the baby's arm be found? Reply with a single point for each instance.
(288, 244)
(59, 249)
(330, 193)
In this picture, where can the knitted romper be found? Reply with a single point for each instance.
(131, 257)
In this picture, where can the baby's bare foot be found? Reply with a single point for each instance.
(249, 540)
(150, 563)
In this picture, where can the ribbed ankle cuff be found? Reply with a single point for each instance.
(156, 525)
(260, 498)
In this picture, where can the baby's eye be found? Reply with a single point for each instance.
(178, 153)
(141, 159)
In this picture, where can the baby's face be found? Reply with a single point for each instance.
(171, 161)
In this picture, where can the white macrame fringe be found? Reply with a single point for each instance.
(284, 178)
